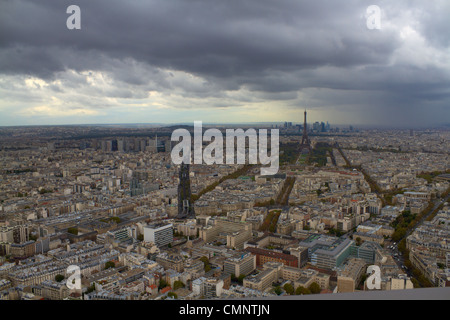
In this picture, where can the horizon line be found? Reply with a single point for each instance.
(166, 124)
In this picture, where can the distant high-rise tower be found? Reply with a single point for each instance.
(185, 207)
(168, 146)
(305, 146)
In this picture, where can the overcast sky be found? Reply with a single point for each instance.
(169, 61)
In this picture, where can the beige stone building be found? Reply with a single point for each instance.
(240, 264)
(350, 276)
(237, 233)
(262, 280)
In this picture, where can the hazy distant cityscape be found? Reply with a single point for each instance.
(108, 200)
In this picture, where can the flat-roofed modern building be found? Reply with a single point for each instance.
(161, 234)
(370, 251)
(23, 250)
(327, 252)
(265, 255)
(262, 280)
(350, 276)
(237, 233)
(120, 235)
(240, 264)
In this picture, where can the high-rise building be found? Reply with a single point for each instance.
(161, 234)
(136, 145)
(154, 145)
(21, 233)
(142, 145)
(168, 146)
(213, 288)
(114, 145)
(322, 127)
(109, 144)
(185, 207)
(240, 264)
(316, 126)
(120, 145)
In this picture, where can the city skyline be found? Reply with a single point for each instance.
(109, 207)
(216, 153)
(261, 61)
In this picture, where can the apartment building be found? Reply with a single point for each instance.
(240, 264)
(265, 255)
(350, 276)
(327, 252)
(262, 280)
(161, 234)
(170, 261)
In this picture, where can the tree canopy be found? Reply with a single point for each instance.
(59, 278)
(302, 290)
(314, 288)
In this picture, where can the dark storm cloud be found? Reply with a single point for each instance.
(210, 37)
(273, 47)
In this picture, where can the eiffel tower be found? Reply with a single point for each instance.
(305, 146)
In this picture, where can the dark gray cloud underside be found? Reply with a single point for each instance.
(274, 47)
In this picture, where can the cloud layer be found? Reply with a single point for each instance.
(215, 60)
